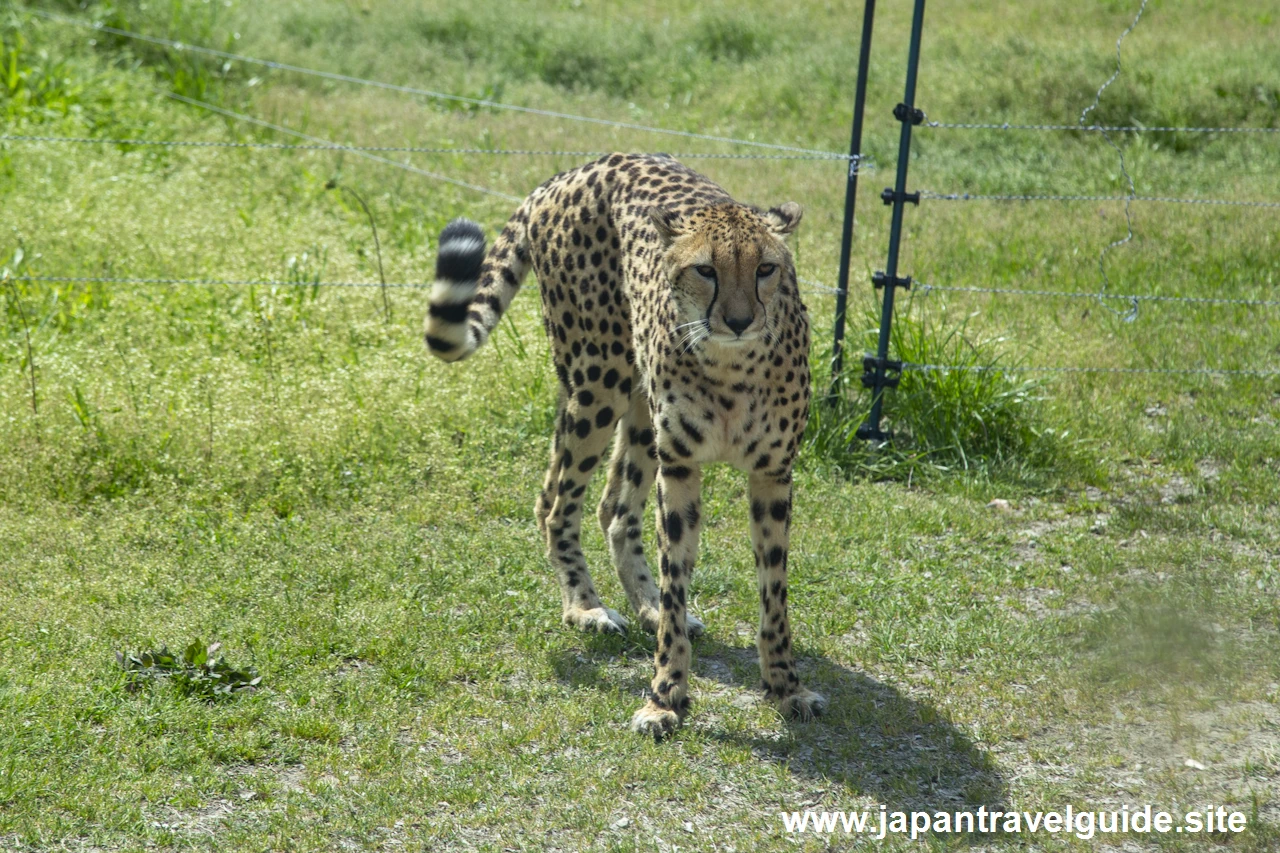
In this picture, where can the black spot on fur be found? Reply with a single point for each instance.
(675, 527)
(440, 345)
(454, 313)
(454, 264)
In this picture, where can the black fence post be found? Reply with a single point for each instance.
(850, 197)
(876, 369)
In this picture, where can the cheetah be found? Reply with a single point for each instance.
(676, 328)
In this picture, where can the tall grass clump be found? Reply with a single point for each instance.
(980, 415)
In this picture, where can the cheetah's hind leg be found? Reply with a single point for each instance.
(575, 453)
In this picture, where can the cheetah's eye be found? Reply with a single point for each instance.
(706, 271)
(765, 270)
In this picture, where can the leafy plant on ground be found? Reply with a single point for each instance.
(199, 671)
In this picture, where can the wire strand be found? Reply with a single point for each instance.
(1095, 128)
(200, 282)
(936, 196)
(817, 286)
(411, 149)
(365, 154)
(1132, 314)
(907, 366)
(413, 90)
(982, 368)
(925, 289)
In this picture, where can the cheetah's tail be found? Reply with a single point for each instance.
(472, 291)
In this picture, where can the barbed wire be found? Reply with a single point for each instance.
(936, 196)
(1095, 128)
(1180, 371)
(817, 286)
(71, 279)
(1132, 314)
(924, 289)
(365, 154)
(907, 366)
(101, 279)
(428, 93)
(410, 149)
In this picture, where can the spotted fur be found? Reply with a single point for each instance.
(676, 329)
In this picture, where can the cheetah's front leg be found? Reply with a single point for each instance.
(679, 525)
(770, 534)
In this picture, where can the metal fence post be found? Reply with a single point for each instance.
(876, 369)
(850, 197)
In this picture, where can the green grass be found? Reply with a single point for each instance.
(283, 471)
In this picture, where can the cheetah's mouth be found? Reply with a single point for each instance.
(731, 340)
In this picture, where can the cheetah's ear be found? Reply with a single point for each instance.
(670, 223)
(784, 218)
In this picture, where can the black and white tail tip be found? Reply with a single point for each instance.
(458, 262)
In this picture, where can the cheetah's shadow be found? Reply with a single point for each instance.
(873, 740)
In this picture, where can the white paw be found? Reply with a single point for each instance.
(803, 705)
(654, 721)
(693, 625)
(604, 620)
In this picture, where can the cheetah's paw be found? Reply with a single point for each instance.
(693, 625)
(603, 619)
(656, 721)
(803, 705)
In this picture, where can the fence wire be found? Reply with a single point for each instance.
(428, 93)
(936, 196)
(288, 131)
(410, 149)
(1095, 128)
(907, 366)
(207, 282)
(924, 289)
(96, 279)
(1186, 371)
(1132, 314)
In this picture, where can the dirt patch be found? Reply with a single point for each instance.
(209, 818)
(1227, 754)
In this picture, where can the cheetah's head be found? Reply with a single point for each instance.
(727, 264)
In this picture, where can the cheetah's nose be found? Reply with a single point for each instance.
(738, 325)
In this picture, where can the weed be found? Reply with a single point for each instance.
(198, 672)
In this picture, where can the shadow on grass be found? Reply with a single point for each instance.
(873, 740)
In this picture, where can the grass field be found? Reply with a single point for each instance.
(283, 470)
